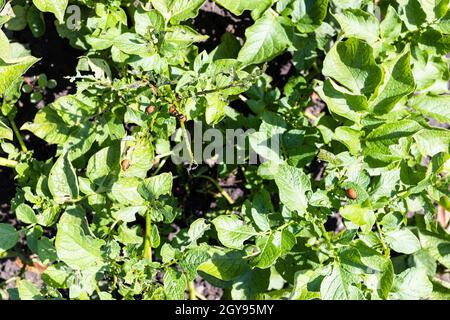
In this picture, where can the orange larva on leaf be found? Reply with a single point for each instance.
(351, 193)
(173, 111)
(125, 164)
(150, 110)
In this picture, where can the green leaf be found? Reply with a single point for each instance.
(380, 142)
(398, 82)
(444, 24)
(215, 108)
(18, 19)
(192, 259)
(140, 157)
(441, 290)
(62, 181)
(232, 232)
(265, 40)
(412, 284)
(126, 192)
(6, 12)
(351, 138)
(79, 142)
(197, 230)
(358, 24)
(46, 251)
(351, 63)
(178, 10)
(73, 244)
(174, 284)
(380, 265)
(238, 7)
(128, 214)
(155, 238)
(36, 22)
(8, 237)
(146, 21)
(434, 9)
(293, 184)
(414, 16)
(437, 245)
(224, 264)
(28, 291)
(74, 109)
(56, 276)
(129, 235)
(308, 15)
(58, 7)
(433, 106)
(131, 43)
(154, 187)
(363, 217)
(338, 286)
(403, 241)
(49, 126)
(182, 10)
(391, 26)
(302, 287)
(11, 70)
(5, 131)
(103, 167)
(260, 207)
(343, 103)
(432, 142)
(26, 214)
(180, 37)
(251, 285)
(269, 250)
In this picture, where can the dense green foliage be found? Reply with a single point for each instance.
(107, 195)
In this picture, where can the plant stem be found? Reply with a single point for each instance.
(17, 133)
(233, 85)
(163, 162)
(191, 289)
(325, 233)
(147, 238)
(221, 190)
(8, 163)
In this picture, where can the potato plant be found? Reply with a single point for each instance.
(361, 119)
